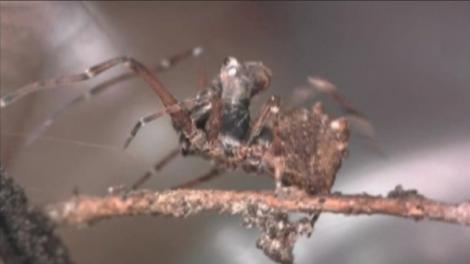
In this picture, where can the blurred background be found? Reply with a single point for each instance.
(405, 65)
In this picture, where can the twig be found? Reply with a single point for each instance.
(264, 210)
(185, 202)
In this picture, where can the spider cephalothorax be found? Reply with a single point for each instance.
(222, 110)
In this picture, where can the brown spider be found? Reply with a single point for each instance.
(300, 147)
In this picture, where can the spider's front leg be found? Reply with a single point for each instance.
(164, 65)
(212, 129)
(180, 119)
(172, 109)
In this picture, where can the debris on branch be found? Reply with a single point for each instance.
(267, 211)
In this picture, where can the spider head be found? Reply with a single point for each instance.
(242, 81)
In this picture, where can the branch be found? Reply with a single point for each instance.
(264, 210)
(185, 202)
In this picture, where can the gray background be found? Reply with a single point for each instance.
(406, 65)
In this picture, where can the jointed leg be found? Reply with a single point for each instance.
(166, 159)
(269, 110)
(93, 71)
(330, 89)
(320, 85)
(214, 121)
(147, 119)
(164, 65)
(180, 118)
(160, 164)
(355, 117)
(213, 173)
(276, 157)
(203, 80)
(52, 117)
(152, 117)
(269, 114)
(278, 173)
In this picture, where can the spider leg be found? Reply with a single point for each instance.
(269, 110)
(362, 124)
(142, 122)
(203, 79)
(212, 174)
(167, 63)
(268, 115)
(160, 164)
(279, 168)
(275, 158)
(320, 85)
(52, 117)
(93, 71)
(214, 122)
(180, 119)
(163, 66)
(175, 108)
(166, 159)
(323, 86)
(90, 73)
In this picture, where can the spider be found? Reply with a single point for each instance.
(300, 148)
(297, 147)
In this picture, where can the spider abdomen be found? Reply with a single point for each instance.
(313, 146)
